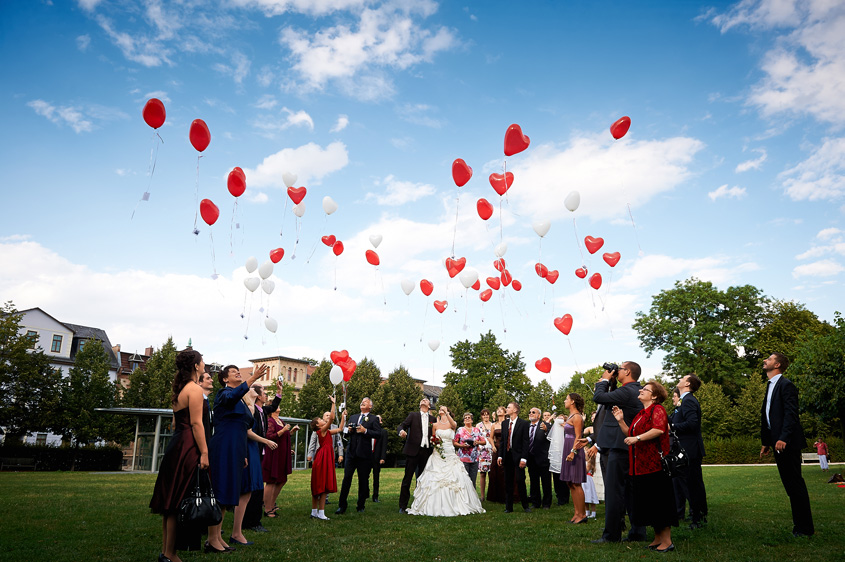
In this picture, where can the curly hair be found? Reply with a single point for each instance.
(578, 400)
(185, 361)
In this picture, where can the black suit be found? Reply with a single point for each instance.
(538, 465)
(516, 449)
(359, 458)
(686, 421)
(784, 425)
(379, 454)
(611, 441)
(416, 456)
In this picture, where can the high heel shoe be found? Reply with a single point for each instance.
(209, 549)
(584, 520)
(234, 540)
(669, 548)
(163, 558)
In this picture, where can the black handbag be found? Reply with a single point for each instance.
(675, 462)
(200, 507)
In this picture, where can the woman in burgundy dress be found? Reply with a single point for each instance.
(323, 477)
(277, 464)
(496, 485)
(573, 468)
(186, 451)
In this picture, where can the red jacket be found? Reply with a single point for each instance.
(644, 456)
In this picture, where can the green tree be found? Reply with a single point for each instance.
(364, 382)
(817, 371)
(745, 415)
(29, 385)
(152, 387)
(481, 368)
(289, 405)
(540, 396)
(499, 398)
(451, 398)
(585, 390)
(715, 410)
(313, 398)
(703, 330)
(396, 398)
(784, 323)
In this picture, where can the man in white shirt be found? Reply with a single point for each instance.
(416, 430)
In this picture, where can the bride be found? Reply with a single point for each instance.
(444, 489)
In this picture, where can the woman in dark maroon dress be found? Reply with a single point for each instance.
(186, 451)
(323, 478)
(277, 464)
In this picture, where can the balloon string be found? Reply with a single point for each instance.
(151, 169)
(466, 308)
(197, 196)
(284, 212)
(578, 241)
(376, 278)
(577, 368)
(502, 310)
(455, 231)
(248, 317)
(425, 318)
(232, 229)
(243, 310)
(213, 264)
(636, 234)
(296, 243)
(335, 273)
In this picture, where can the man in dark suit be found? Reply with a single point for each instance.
(379, 455)
(780, 428)
(611, 442)
(416, 430)
(515, 456)
(362, 429)
(686, 421)
(538, 460)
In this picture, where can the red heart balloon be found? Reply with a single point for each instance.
(461, 172)
(348, 367)
(277, 255)
(595, 281)
(236, 182)
(337, 248)
(517, 286)
(544, 365)
(239, 170)
(515, 141)
(426, 287)
(209, 211)
(494, 283)
(552, 276)
(329, 240)
(372, 257)
(485, 209)
(455, 266)
(593, 244)
(499, 264)
(297, 194)
(441, 305)
(338, 356)
(541, 270)
(611, 258)
(154, 113)
(620, 127)
(485, 295)
(581, 272)
(564, 324)
(506, 278)
(477, 284)
(501, 183)
(199, 135)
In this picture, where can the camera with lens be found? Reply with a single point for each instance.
(612, 367)
(353, 426)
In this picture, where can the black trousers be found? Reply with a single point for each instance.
(789, 468)
(513, 470)
(254, 509)
(363, 468)
(561, 489)
(695, 489)
(679, 485)
(618, 497)
(538, 474)
(414, 465)
(376, 474)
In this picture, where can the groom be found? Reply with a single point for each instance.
(417, 429)
(515, 442)
(363, 428)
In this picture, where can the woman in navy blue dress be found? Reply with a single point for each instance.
(228, 451)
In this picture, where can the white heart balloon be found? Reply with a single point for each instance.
(336, 375)
(289, 179)
(501, 249)
(266, 269)
(408, 286)
(267, 286)
(299, 209)
(433, 344)
(468, 277)
(252, 283)
(572, 201)
(271, 324)
(251, 264)
(329, 206)
(541, 227)
(375, 240)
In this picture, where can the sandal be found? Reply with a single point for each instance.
(272, 513)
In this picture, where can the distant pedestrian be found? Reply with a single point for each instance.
(821, 449)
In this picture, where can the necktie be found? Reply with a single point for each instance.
(511, 427)
(768, 403)
(531, 437)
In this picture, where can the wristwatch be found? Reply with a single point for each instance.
(638, 437)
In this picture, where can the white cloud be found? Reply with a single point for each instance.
(309, 162)
(828, 233)
(754, 164)
(312, 7)
(644, 271)
(238, 69)
(418, 114)
(83, 42)
(270, 125)
(160, 94)
(145, 50)
(64, 115)
(823, 268)
(89, 5)
(342, 122)
(299, 118)
(725, 191)
(821, 176)
(616, 174)
(267, 101)
(398, 192)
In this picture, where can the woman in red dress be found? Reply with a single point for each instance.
(323, 477)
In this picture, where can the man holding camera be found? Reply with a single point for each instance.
(362, 429)
(611, 442)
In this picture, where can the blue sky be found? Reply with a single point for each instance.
(733, 169)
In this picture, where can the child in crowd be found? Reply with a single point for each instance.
(590, 496)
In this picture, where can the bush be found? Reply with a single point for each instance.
(49, 457)
(743, 449)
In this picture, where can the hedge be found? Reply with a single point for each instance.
(744, 449)
(51, 457)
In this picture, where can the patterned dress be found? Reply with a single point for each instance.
(485, 452)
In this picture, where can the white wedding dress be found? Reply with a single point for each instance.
(444, 489)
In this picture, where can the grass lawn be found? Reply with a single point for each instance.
(60, 516)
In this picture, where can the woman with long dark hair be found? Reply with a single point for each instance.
(186, 451)
(573, 468)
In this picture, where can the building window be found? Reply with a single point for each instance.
(289, 372)
(294, 375)
(33, 336)
(40, 438)
(80, 345)
(57, 344)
